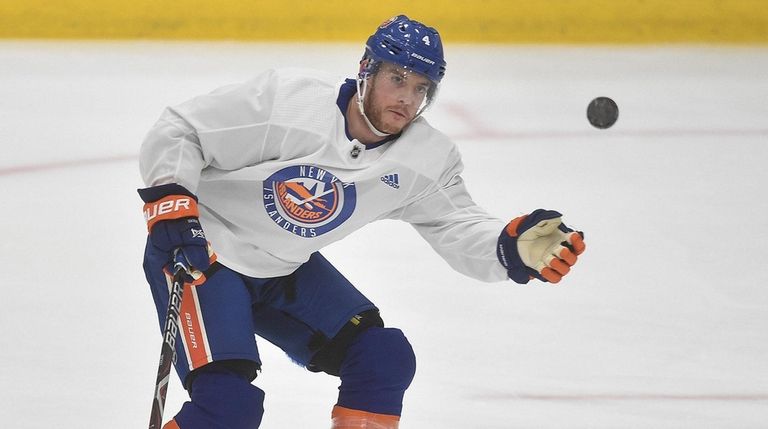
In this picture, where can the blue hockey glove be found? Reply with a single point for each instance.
(172, 221)
(539, 246)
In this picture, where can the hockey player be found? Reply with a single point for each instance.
(251, 180)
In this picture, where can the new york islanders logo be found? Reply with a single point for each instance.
(308, 201)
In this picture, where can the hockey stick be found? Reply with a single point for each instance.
(168, 350)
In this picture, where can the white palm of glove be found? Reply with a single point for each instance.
(541, 247)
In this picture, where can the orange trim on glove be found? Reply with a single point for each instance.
(171, 425)
(513, 224)
(578, 243)
(170, 207)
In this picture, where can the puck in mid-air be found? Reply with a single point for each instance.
(602, 112)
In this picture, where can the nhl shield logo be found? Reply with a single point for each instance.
(307, 200)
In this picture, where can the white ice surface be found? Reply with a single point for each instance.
(662, 324)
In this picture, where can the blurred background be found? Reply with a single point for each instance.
(479, 21)
(662, 324)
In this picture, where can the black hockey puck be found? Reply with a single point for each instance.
(602, 112)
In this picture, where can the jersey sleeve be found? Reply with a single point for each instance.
(459, 230)
(225, 129)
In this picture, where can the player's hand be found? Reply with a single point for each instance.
(172, 221)
(539, 246)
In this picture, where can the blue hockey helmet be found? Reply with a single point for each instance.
(408, 43)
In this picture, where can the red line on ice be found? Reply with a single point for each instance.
(477, 131)
(33, 168)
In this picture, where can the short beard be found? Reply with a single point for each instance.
(375, 114)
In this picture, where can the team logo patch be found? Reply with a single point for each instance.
(308, 201)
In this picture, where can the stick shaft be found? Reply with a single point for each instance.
(168, 350)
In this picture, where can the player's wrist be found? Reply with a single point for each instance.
(154, 193)
(506, 252)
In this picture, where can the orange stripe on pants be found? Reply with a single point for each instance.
(192, 325)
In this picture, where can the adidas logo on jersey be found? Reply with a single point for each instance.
(392, 180)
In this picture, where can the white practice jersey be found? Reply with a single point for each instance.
(278, 177)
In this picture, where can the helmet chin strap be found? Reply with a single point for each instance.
(360, 96)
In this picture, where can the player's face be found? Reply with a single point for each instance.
(394, 97)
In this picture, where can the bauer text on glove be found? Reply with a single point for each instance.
(172, 221)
